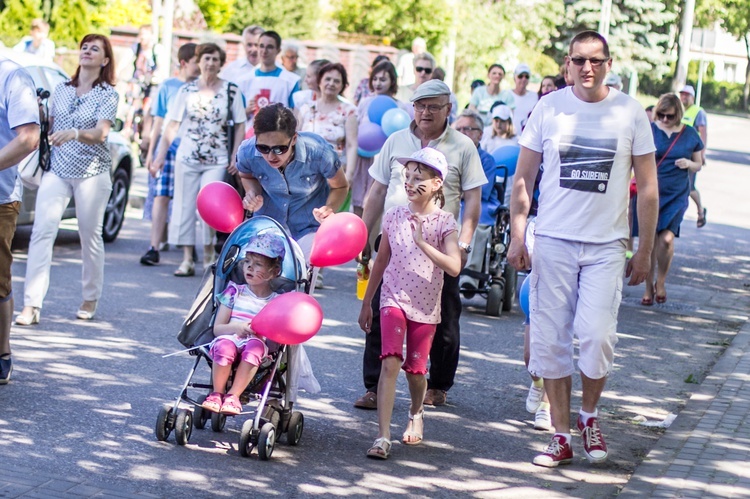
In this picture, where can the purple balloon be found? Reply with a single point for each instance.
(370, 137)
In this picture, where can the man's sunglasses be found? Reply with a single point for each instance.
(595, 63)
(524, 75)
(425, 70)
(277, 150)
(664, 116)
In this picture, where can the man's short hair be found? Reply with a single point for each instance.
(276, 37)
(186, 52)
(473, 115)
(290, 45)
(424, 56)
(253, 29)
(588, 36)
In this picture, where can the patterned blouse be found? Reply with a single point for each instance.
(203, 121)
(331, 126)
(74, 159)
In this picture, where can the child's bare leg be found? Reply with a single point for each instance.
(417, 389)
(220, 376)
(387, 394)
(243, 376)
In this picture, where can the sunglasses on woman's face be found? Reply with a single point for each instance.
(664, 116)
(277, 150)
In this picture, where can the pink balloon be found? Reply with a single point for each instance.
(340, 238)
(291, 318)
(220, 206)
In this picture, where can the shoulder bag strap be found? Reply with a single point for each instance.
(670, 147)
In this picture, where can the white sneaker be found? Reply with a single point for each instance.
(542, 420)
(534, 398)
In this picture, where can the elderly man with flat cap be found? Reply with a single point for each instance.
(464, 180)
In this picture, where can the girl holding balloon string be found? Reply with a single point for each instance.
(419, 243)
(383, 83)
(238, 304)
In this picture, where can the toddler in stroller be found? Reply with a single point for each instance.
(258, 262)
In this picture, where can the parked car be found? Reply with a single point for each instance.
(47, 76)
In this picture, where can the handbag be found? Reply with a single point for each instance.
(31, 168)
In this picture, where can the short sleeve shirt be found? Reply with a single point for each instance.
(483, 101)
(167, 92)
(74, 159)
(244, 303)
(331, 126)
(203, 121)
(587, 150)
(464, 166)
(290, 197)
(18, 106)
(412, 282)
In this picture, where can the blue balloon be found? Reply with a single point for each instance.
(507, 156)
(523, 295)
(367, 154)
(394, 120)
(378, 107)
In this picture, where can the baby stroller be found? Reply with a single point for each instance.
(274, 385)
(488, 273)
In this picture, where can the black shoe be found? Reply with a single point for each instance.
(6, 367)
(150, 258)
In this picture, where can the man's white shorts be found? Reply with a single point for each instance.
(576, 289)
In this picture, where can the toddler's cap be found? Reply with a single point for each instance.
(269, 245)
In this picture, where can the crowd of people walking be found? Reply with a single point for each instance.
(287, 138)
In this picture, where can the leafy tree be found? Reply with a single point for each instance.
(121, 13)
(736, 21)
(16, 19)
(398, 20)
(290, 18)
(638, 36)
(218, 13)
(70, 22)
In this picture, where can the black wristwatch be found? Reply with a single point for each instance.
(465, 247)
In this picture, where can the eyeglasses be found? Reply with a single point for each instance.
(467, 129)
(523, 75)
(277, 150)
(595, 63)
(664, 116)
(420, 69)
(432, 108)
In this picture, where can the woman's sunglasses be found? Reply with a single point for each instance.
(664, 116)
(277, 150)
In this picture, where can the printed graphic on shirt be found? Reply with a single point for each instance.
(586, 163)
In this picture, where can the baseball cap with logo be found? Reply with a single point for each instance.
(429, 157)
(688, 89)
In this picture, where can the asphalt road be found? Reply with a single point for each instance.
(85, 396)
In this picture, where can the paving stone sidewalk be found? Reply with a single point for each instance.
(706, 451)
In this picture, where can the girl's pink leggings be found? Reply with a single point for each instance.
(224, 352)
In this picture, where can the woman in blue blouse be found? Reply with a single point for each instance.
(294, 178)
(82, 112)
(678, 153)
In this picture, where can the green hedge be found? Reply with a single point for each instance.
(722, 95)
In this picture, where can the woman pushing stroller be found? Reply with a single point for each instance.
(238, 304)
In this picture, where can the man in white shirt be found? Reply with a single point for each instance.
(268, 83)
(405, 68)
(37, 42)
(290, 61)
(242, 67)
(588, 136)
(523, 99)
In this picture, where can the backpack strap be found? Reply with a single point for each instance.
(231, 91)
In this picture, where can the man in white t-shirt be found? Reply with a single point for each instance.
(268, 83)
(523, 99)
(242, 67)
(588, 136)
(465, 179)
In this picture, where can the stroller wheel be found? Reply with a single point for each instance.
(218, 421)
(294, 431)
(163, 425)
(495, 300)
(183, 426)
(200, 415)
(246, 441)
(266, 441)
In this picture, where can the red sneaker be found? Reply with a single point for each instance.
(557, 452)
(593, 441)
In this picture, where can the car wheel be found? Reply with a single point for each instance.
(114, 216)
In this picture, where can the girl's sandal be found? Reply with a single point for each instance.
(381, 449)
(411, 437)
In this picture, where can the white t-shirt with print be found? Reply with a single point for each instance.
(587, 150)
(524, 105)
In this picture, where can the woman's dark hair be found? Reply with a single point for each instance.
(275, 118)
(211, 48)
(107, 73)
(496, 66)
(553, 78)
(334, 66)
(389, 68)
(378, 59)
